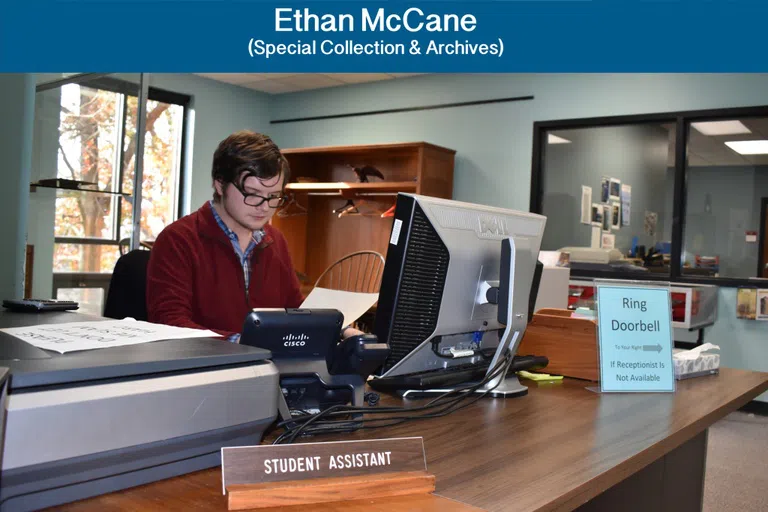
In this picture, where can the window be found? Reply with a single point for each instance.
(727, 184)
(97, 145)
(621, 177)
(686, 193)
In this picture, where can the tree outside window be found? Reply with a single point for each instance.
(97, 145)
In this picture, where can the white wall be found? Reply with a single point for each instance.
(218, 110)
(42, 202)
(17, 105)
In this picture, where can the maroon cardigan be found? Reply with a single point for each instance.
(195, 279)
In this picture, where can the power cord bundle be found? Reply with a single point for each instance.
(332, 420)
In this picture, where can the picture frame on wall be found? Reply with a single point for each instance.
(626, 203)
(615, 215)
(746, 303)
(605, 189)
(614, 191)
(607, 218)
(597, 215)
(761, 305)
(650, 223)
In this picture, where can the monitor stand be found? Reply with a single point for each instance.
(501, 386)
(513, 313)
(510, 388)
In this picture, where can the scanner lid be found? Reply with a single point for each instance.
(33, 367)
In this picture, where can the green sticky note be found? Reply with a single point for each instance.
(539, 376)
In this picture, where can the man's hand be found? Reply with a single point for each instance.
(350, 331)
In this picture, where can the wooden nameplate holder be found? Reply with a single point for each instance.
(328, 490)
(386, 474)
(569, 343)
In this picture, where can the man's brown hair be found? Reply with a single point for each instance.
(245, 154)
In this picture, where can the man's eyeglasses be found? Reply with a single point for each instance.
(274, 200)
(257, 200)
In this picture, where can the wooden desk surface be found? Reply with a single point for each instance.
(552, 450)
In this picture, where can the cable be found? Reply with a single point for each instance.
(312, 424)
(477, 338)
(450, 405)
(394, 420)
(398, 421)
(432, 403)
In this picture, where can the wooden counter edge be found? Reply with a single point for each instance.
(580, 495)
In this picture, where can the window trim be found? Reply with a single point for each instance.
(682, 120)
(762, 235)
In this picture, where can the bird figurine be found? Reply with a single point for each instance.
(364, 172)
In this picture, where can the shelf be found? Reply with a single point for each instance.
(369, 148)
(350, 188)
(33, 186)
(325, 180)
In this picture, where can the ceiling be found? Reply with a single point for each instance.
(710, 150)
(702, 150)
(280, 83)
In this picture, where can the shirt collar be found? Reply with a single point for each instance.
(257, 235)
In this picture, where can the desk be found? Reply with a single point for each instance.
(559, 448)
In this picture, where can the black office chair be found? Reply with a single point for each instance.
(128, 287)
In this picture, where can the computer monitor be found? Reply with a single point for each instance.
(442, 259)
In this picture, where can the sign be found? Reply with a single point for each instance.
(304, 461)
(635, 338)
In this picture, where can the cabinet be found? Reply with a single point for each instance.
(323, 181)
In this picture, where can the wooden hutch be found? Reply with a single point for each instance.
(323, 181)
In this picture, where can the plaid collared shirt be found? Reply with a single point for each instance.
(244, 257)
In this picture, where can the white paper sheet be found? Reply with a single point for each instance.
(596, 237)
(586, 204)
(608, 241)
(549, 258)
(73, 336)
(351, 304)
(689, 355)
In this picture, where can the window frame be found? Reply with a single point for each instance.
(682, 120)
(761, 263)
(127, 88)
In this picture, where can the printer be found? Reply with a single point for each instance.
(87, 423)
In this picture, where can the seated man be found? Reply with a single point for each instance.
(208, 269)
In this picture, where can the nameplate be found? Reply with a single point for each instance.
(635, 338)
(304, 461)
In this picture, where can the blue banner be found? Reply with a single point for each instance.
(351, 36)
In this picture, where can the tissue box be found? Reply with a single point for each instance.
(704, 364)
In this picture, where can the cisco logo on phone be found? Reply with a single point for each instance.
(292, 340)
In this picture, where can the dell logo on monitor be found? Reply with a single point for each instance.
(491, 227)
